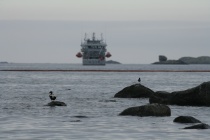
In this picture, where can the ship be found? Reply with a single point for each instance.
(93, 51)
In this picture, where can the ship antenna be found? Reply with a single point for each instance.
(105, 37)
(93, 36)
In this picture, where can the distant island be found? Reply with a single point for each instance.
(4, 62)
(196, 60)
(112, 62)
(184, 60)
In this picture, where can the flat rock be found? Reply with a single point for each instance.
(198, 126)
(186, 119)
(56, 103)
(148, 110)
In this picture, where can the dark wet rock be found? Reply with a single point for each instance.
(198, 126)
(186, 119)
(134, 91)
(197, 96)
(160, 97)
(56, 103)
(148, 110)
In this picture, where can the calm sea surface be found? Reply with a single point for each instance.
(92, 112)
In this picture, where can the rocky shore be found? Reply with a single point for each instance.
(178, 62)
(159, 101)
(196, 96)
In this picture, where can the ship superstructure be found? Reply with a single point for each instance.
(93, 51)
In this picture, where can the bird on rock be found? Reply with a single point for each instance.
(52, 96)
(139, 80)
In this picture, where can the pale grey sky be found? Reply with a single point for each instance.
(136, 31)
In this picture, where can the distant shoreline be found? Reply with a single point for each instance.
(3, 62)
(183, 60)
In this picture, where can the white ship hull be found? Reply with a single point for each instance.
(93, 62)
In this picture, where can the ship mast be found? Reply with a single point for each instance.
(93, 36)
(85, 37)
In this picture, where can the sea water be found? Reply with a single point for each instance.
(92, 111)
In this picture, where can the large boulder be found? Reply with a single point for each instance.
(160, 97)
(162, 58)
(56, 103)
(148, 110)
(134, 91)
(186, 119)
(197, 96)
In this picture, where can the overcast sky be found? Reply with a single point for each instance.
(136, 31)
